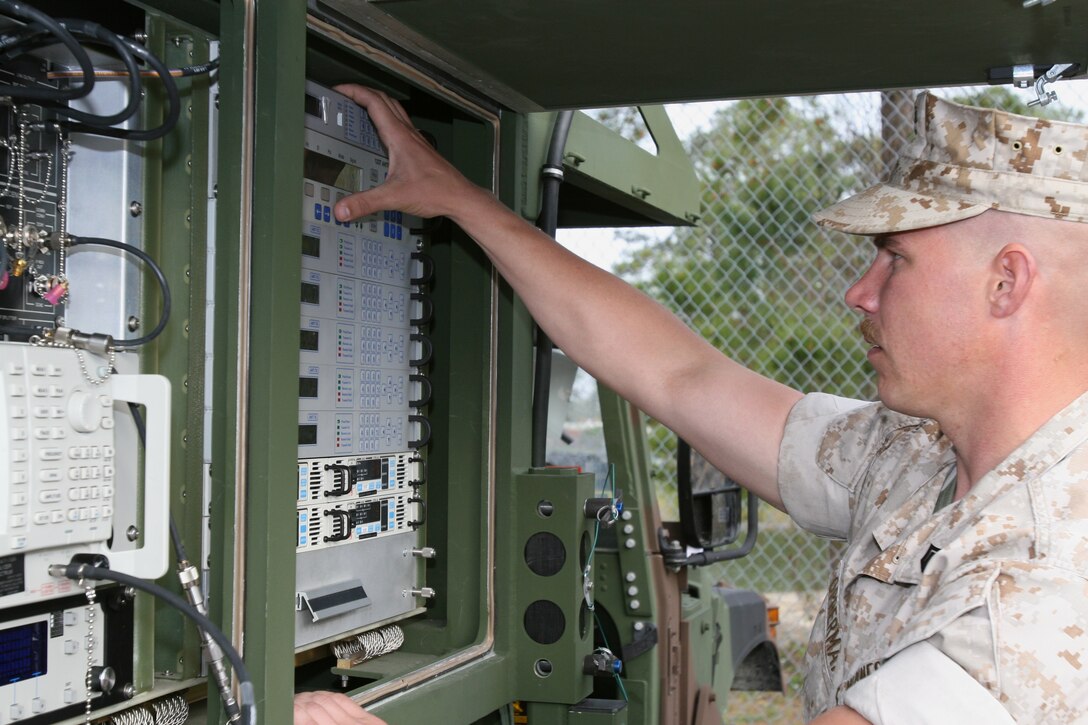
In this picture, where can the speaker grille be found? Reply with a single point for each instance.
(544, 621)
(545, 554)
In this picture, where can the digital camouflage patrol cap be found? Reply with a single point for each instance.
(965, 160)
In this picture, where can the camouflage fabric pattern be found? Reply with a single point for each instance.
(997, 581)
(965, 160)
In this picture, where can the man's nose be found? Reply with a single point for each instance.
(862, 295)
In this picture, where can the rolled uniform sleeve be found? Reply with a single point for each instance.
(815, 468)
(923, 686)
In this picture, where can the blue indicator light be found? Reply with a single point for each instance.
(317, 212)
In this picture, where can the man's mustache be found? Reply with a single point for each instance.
(867, 328)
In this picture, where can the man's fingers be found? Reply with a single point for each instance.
(360, 204)
(330, 708)
(381, 107)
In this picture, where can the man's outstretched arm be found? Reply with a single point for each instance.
(623, 338)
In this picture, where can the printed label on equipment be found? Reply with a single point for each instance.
(12, 579)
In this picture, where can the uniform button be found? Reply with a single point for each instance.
(39, 391)
(41, 517)
(18, 542)
(18, 434)
(50, 475)
(41, 411)
(56, 517)
(18, 412)
(18, 520)
(17, 391)
(37, 369)
(70, 647)
(18, 455)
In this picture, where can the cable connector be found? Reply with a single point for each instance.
(213, 654)
(94, 342)
(602, 663)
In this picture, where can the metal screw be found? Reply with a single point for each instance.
(133, 323)
(135, 208)
(132, 533)
(128, 691)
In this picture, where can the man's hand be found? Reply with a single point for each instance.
(331, 708)
(420, 181)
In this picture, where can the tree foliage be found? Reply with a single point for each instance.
(757, 278)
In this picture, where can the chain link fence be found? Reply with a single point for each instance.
(763, 284)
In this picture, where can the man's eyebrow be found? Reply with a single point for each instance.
(885, 241)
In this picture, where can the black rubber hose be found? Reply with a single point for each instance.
(551, 179)
(56, 95)
(155, 270)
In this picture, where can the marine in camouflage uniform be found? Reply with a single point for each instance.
(962, 596)
(990, 591)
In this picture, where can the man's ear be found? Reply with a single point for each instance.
(1014, 271)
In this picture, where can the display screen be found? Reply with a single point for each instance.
(311, 293)
(307, 340)
(24, 652)
(311, 246)
(332, 172)
(307, 387)
(313, 106)
(368, 470)
(366, 513)
(307, 435)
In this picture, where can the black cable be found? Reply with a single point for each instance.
(155, 270)
(77, 571)
(199, 69)
(32, 15)
(173, 102)
(552, 174)
(96, 33)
